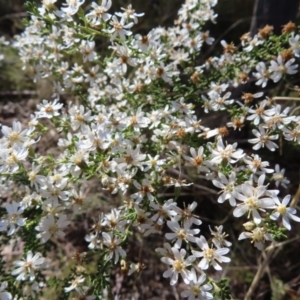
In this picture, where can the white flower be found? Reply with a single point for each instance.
(100, 12)
(3, 294)
(72, 6)
(112, 243)
(75, 283)
(210, 255)
(35, 179)
(138, 120)
(257, 113)
(252, 201)
(262, 75)
(181, 234)
(79, 117)
(196, 288)
(14, 219)
(279, 178)
(129, 13)
(144, 190)
(219, 102)
(279, 68)
(274, 118)
(258, 235)
(178, 265)
(93, 241)
(114, 220)
(131, 158)
(154, 163)
(295, 45)
(254, 164)
(197, 159)
(15, 135)
(48, 109)
(285, 212)
(219, 237)
(187, 215)
(11, 158)
(119, 28)
(87, 50)
(28, 266)
(228, 153)
(263, 139)
(163, 211)
(50, 227)
(227, 186)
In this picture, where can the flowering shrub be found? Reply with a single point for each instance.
(127, 119)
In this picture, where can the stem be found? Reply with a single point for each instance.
(286, 98)
(260, 272)
(93, 31)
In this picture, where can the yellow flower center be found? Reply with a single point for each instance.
(252, 203)
(209, 254)
(178, 265)
(14, 137)
(281, 209)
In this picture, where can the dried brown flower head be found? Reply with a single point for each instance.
(247, 97)
(229, 48)
(289, 27)
(195, 77)
(265, 32)
(287, 54)
(243, 77)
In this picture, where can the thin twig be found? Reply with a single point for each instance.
(259, 273)
(217, 41)
(286, 98)
(13, 16)
(17, 93)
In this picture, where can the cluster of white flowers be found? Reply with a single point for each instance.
(133, 126)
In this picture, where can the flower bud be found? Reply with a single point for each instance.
(249, 225)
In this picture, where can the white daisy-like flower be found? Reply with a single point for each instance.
(15, 135)
(219, 237)
(49, 227)
(210, 255)
(263, 139)
(3, 294)
(197, 159)
(227, 186)
(113, 245)
(228, 153)
(295, 45)
(28, 266)
(279, 178)
(75, 284)
(259, 236)
(14, 218)
(180, 233)
(197, 289)
(99, 12)
(48, 109)
(178, 265)
(280, 67)
(119, 28)
(254, 199)
(72, 6)
(262, 75)
(285, 212)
